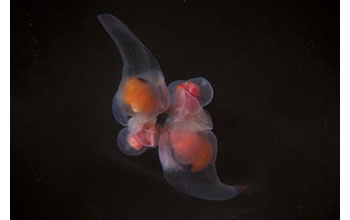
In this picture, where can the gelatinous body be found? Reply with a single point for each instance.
(187, 146)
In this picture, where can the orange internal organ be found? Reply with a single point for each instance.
(191, 87)
(139, 95)
(186, 145)
(132, 141)
(190, 148)
(205, 155)
(181, 86)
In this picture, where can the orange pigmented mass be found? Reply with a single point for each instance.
(139, 95)
(181, 86)
(186, 145)
(190, 148)
(132, 141)
(204, 157)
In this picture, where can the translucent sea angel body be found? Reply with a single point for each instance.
(186, 145)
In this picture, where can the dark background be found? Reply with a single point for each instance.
(274, 66)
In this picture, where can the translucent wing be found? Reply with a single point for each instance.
(137, 59)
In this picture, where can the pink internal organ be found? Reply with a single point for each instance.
(186, 101)
(191, 87)
(148, 136)
(133, 142)
(186, 104)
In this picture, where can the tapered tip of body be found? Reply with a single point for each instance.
(242, 188)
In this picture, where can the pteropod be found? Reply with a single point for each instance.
(186, 145)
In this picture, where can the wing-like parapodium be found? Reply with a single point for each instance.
(188, 162)
(137, 59)
(188, 147)
(142, 93)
